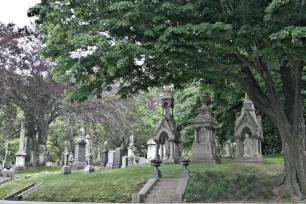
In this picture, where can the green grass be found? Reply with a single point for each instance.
(226, 182)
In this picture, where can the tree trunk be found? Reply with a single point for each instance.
(287, 116)
(293, 179)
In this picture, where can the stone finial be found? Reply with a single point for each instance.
(82, 132)
(205, 99)
(246, 96)
(167, 93)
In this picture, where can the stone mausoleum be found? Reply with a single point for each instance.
(248, 135)
(167, 135)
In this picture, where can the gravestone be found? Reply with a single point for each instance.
(124, 162)
(204, 149)
(248, 135)
(105, 154)
(66, 169)
(111, 157)
(89, 168)
(131, 152)
(118, 157)
(80, 152)
(7, 170)
(227, 150)
(151, 150)
(21, 154)
(143, 160)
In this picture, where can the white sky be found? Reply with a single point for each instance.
(16, 11)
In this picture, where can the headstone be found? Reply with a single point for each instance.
(248, 135)
(20, 155)
(227, 149)
(151, 149)
(118, 157)
(89, 168)
(66, 169)
(124, 162)
(204, 149)
(7, 159)
(143, 160)
(80, 152)
(110, 162)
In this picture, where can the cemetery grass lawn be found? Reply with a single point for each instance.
(209, 183)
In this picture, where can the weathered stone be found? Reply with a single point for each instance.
(124, 162)
(118, 157)
(66, 170)
(227, 150)
(80, 152)
(248, 135)
(110, 162)
(166, 136)
(21, 154)
(143, 160)
(151, 149)
(204, 149)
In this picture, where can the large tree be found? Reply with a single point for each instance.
(26, 82)
(258, 43)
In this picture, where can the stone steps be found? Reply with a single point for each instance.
(162, 191)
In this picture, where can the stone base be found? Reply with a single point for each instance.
(89, 169)
(170, 161)
(109, 166)
(79, 166)
(227, 157)
(250, 160)
(156, 173)
(65, 170)
(205, 159)
(8, 173)
(21, 168)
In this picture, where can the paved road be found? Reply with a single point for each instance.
(30, 202)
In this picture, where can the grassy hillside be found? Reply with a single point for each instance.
(209, 183)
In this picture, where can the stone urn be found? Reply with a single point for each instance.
(205, 99)
(185, 171)
(156, 173)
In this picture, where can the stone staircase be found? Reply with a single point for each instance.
(162, 190)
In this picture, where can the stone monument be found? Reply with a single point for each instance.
(227, 147)
(204, 149)
(167, 134)
(7, 170)
(118, 157)
(111, 157)
(248, 135)
(105, 154)
(124, 162)
(131, 152)
(80, 152)
(66, 169)
(89, 168)
(21, 154)
(151, 150)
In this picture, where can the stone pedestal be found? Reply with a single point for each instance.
(8, 173)
(204, 149)
(110, 162)
(124, 162)
(80, 154)
(118, 157)
(65, 170)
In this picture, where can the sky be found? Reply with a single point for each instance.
(16, 11)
